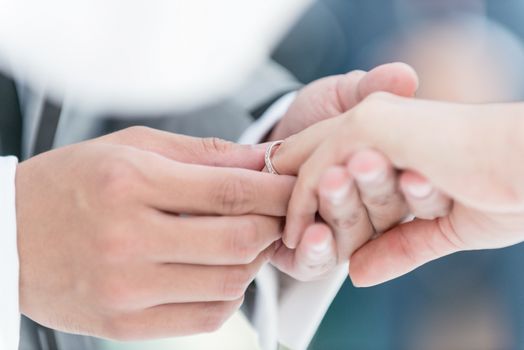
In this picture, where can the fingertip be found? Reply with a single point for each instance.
(335, 183)
(368, 166)
(317, 234)
(290, 237)
(357, 281)
(397, 78)
(317, 247)
(415, 185)
(297, 220)
(409, 73)
(361, 276)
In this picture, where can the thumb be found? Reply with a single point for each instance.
(187, 149)
(401, 250)
(396, 78)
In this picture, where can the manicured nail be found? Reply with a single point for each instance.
(321, 248)
(422, 190)
(338, 195)
(374, 176)
(319, 252)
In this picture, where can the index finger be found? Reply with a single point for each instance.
(294, 156)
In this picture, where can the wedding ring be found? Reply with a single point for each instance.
(269, 153)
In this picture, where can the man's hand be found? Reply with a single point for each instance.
(127, 237)
(361, 205)
(331, 96)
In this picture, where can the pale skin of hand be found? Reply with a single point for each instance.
(472, 153)
(103, 250)
(354, 205)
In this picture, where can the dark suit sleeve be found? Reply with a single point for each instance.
(10, 118)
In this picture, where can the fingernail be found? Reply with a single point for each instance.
(338, 195)
(420, 190)
(373, 176)
(320, 251)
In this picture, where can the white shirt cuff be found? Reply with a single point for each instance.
(303, 305)
(267, 121)
(9, 268)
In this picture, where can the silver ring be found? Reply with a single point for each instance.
(269, 153)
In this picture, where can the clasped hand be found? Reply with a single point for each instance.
(470, 153)
(142, 234)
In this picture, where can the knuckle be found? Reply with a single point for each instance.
(316, 271)
(215, 145)
(304, 183)
(233, 196)
(347, 222)
(113, 293)
(380, 199)
(406, 247)
(370, 106)
(118, 177)
(450, 235)
(117, 245)
(376, 98)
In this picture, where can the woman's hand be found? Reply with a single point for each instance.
(472, 153)
(354, 219)
(323, 99)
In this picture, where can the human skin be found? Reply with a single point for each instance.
(354, 205)
(104, 248)
(472, 153)
(120, 197)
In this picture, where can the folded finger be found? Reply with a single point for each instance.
(352, 88)
(342, 209)
(377, 184)
(397, 78)
(314, 257)
(424, 200)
